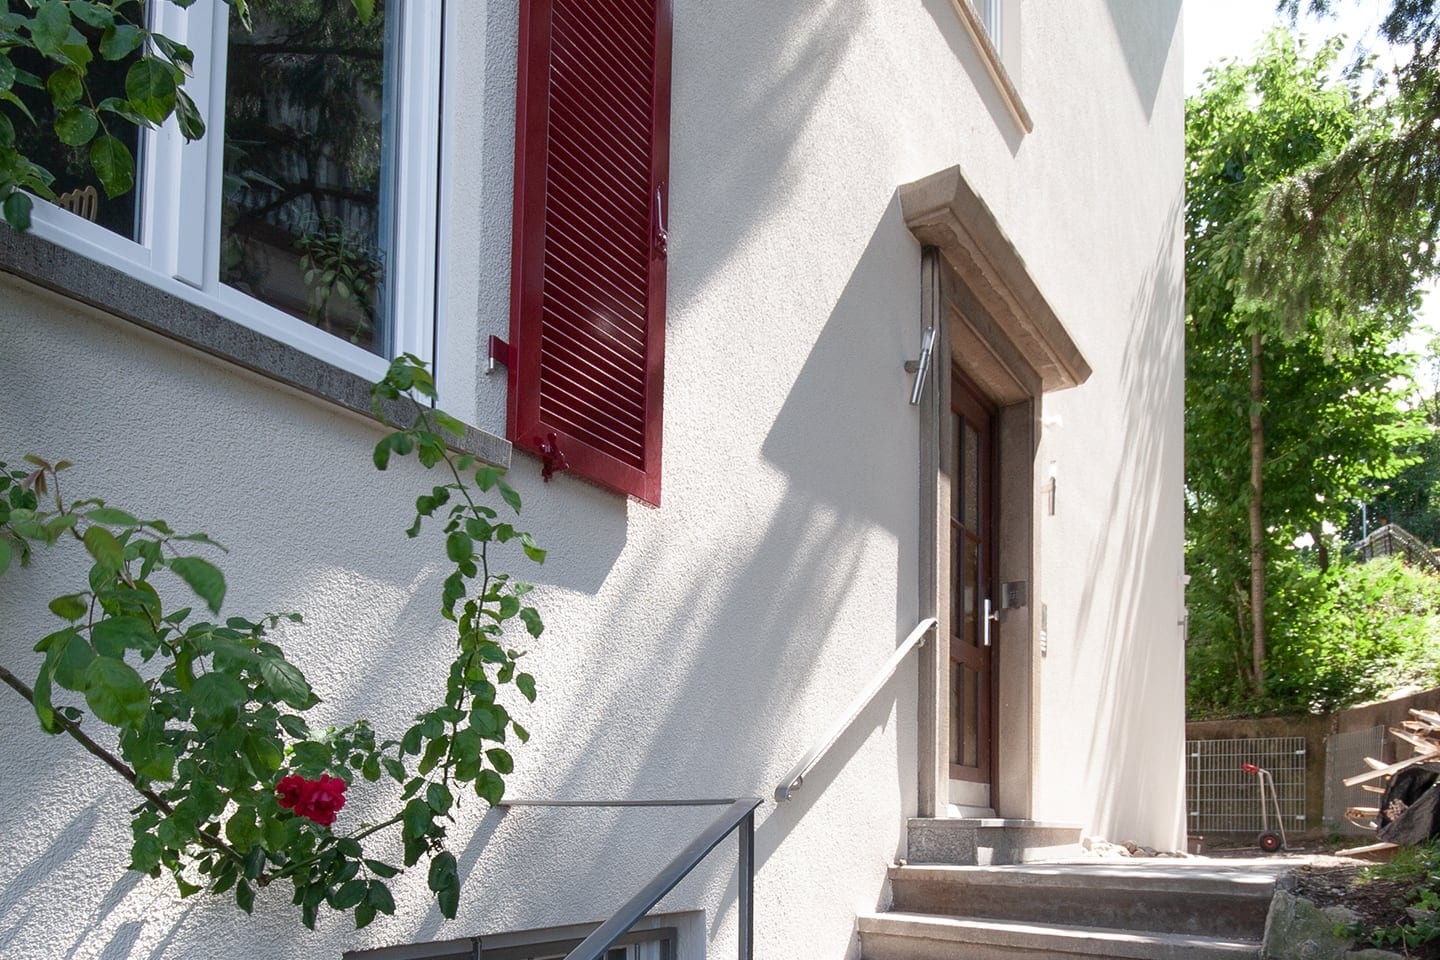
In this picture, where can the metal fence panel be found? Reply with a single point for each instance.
(1345, 755)
(1222, 798)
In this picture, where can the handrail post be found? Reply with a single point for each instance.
(746, 881)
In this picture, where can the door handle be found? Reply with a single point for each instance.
(989, 618)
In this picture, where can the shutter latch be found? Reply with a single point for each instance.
(552, 459)
(662, 237)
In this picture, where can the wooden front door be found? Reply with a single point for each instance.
(972, 507)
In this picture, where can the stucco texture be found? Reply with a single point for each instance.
(696, 649)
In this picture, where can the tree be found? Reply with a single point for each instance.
(1285, 420)
(1357, 229)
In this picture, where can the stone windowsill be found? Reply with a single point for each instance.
(993, 64)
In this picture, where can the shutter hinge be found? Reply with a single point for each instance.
(552, 459)
(500, 352)
(662, 236)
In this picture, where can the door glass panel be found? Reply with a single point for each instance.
(308, 188)
(965, 704)
(970, 592)
(970, 458)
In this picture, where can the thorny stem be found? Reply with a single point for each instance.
(116, 764)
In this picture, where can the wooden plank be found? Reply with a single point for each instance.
(1379, 772)
(1374, 764)
(1370, 848)
(1419, 743)
(1371, 788)
(1429, 716)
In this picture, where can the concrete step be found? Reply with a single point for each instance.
(918, 936)
(990, 841)
(1194, 898)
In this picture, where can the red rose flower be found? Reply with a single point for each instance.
(322, 800)
(290, 790)
(317, 800)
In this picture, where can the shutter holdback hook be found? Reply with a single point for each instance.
(552, 460)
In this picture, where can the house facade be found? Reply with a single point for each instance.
(678, 256)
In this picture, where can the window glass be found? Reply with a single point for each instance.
(76, 186)
(308, 183)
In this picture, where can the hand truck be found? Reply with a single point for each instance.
(1269, 840)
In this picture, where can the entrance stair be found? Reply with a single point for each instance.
(1140, 909)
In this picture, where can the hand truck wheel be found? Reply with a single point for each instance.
(1271, 842)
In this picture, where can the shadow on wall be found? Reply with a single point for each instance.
(743, 640)
(1137, 23)
(742, 154)
(1138, 652)
(947, 20)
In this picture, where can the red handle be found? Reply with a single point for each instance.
(1249, 768)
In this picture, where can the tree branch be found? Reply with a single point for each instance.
(116, 764)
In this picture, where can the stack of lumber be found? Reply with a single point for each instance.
(1422, 732)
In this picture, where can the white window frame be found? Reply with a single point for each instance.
(179, 200)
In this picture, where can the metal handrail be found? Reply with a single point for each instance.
(739, 813)
(796, 777)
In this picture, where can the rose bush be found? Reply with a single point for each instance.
(206, 718)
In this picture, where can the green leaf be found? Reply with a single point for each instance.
(438, 797)
(114, 635)
(364, 9)
(434, 752)
(73, 656)
(448, 901)
(150, 88)
(444, 872)
(348, 895)
(287, 682)
(157, 763)
(312, 755)
(508, 494)
(106, 550)
(382, 869)
(111, 517)
(527, 543)
(467, 744)
(145, 854)
(265, 755)
(378, 896)
(526, 684)
(116, 693)
(500, 760)
(215, 694)
(487, 477)
(187, 115)
(70, 607)
(113, 164)
(490, 787)
(459, 547)
(5, 554)
(17, 207)
(202, 576)
(50, 28)
(245, 896)
(65, 88)
(417, 817)
(96, 15)
(531, 618)
(448, 423)
(119, 41)
(44, 710)
(8, 73)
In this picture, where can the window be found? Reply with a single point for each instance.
(587, 322)
(308, 210)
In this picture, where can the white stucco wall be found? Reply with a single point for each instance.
(695, 649)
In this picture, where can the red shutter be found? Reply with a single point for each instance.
(587, 308)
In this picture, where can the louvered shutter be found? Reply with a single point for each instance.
(587, 320)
